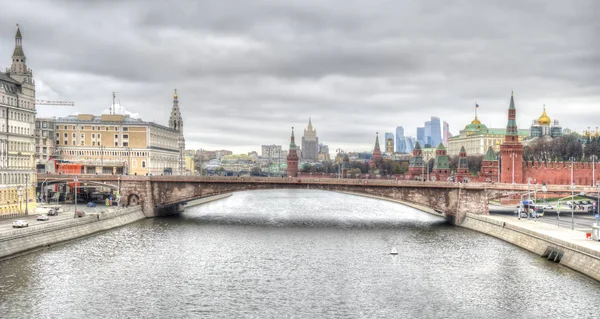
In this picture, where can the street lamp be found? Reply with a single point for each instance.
(499, 158)
(20, 192)
(75, 187)
(594, 158)
(572, 198)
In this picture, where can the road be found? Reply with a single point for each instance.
(583, 221)
(66, 212)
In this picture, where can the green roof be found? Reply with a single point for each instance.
(462, 149)
(490, 155)
(441, 147)
(441, 162)
(417, 147)
(512, 102)
(502, 131)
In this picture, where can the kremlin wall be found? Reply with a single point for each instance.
(511, 151)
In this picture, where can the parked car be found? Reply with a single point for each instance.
(52, 212)
(80, 213)
(20, 224)
(549, 207)
(91, 204)
(43, 217)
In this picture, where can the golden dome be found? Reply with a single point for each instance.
(544, 119)
(475, 121)
(175, 94)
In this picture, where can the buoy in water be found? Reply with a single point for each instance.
(394, 251)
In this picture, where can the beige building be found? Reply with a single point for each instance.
(45, 144)
(115, 144)
(17, 122)
(476, 138)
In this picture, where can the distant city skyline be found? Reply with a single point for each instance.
(245, 78)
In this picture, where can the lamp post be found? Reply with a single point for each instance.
(27, 194)
(572, 198)
(594, 158)
(598, 203)
(499, 158)
(75, 187)
(20, 192)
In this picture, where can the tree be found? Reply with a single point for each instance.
(474, 162)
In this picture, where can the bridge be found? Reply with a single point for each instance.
(165, 195)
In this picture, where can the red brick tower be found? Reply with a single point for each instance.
(489, 167)
(415, 165)
(376, 158)
(462, 171)
(511, 151)
(292, 158)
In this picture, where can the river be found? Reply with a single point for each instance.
(292, 254)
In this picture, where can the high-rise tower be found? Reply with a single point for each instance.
(310, 143)
(292, 158)
(176, 123)
(511, 150)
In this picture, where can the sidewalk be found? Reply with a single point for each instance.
(571, 236)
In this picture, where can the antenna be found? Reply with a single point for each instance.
(112, 108)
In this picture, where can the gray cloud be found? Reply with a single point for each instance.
(249, 70)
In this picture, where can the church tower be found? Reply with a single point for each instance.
(376, 158)
(292, 158)
(176, 123)
(511, 151)
(18, 68)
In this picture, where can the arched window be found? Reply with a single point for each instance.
(143, 164)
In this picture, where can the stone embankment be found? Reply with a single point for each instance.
(24, 239)
(556, 244)
(204, 200)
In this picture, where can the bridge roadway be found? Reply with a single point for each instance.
(163, 195)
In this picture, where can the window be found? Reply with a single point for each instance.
(74, 135)
(66, 135)
(125, 144)
(66, 128)
(143, 164)
(125, 129)
(82, 136)
(73, 127)
(44, 124)
(125, 136)
(116, 143)
(93, 135)
(66, 142)
(116, 135)
(116, 128)
(107, 128)
(74, 143)
(93, 128)
(93, 143)
(82, 143)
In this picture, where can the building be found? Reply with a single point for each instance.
(421, 136)
(119, 144)
(511, 150)
(17, 138)
(389, 143)
(544, 128)
(310, 144)
(376, 159)
(292, 158)
(446, 133)
(400, 140)
(441, 165)
(45, 144)
(270, 150)
(190, 162)
(324, 153)
(409, 142)
(476, 138)
(416, 165)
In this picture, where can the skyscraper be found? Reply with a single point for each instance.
(421, 135)
(436, 131)
(409, 141)
(310, 143)
(400, 142)
(447, 133)
(389, 143)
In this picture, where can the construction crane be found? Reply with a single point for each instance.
(54, 103)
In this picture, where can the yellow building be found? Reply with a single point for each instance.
(17, 123)
(476, 138)
(119, 144)
(190, 162)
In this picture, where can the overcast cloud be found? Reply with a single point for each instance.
(247, 71)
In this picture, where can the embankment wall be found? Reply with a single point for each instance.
(582, 259)
(24, 239)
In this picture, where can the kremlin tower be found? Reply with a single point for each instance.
(511, 150)
(292, 158)
(376, 158)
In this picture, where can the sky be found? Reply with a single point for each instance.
(248, 71)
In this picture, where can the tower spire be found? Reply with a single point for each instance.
(176, 121)
(18, 58)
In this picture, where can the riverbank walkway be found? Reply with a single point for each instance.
(574, 237)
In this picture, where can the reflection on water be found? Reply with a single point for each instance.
(292, 253)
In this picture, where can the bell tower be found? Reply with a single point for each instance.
(292, 158)
(176, 123)
(511, 151)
